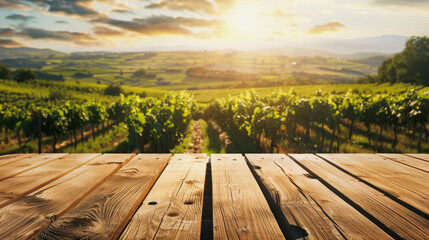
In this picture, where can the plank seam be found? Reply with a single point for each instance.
(401, 162)
(141, 203)
(377, 222)
(337, 227)
(207, 209)
(421, 159)
(401, 202)
(31, 168)
(274, 207)
(332, 220)
(128, 218)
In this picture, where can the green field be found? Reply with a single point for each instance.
(117, 68)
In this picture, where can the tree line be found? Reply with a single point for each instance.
(409, 66)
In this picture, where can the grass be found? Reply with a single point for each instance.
(187, 139)
(101, 144)
(212, 143)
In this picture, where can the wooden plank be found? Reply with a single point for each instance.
(112, 205)
(20, 185)
(422, 156)
(308, 204)
(240, 210)
(25, 218)
(30, 162)
(173, 208)
(397, 220)
(9, 158)
(408, 160)
(405, 183)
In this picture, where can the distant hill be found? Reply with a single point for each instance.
(373, 61)
(356, 48)
(365, 55)
(26, 52)
(298, 52)
(383, 43)
(308, 52)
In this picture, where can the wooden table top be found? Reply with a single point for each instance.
(222, 196)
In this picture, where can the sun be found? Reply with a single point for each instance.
(245, 20)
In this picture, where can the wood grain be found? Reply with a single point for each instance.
(20, 185)
(400, 181)
(422, 156)
(104, 213)
(240, 210)
(9, 158)
(30, 215)
(27, 163)
(173, 208)
(408, 160)
(307, 204)
(395, 219)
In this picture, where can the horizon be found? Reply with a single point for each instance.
(164, 25)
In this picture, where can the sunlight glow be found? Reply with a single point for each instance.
(245, 20)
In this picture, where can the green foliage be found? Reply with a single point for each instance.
(142, 73)
(57, 94)
(113, 90)
(23, 74)
(269, 120)
(5, 72)
(83, 75)
(160, 122)
(410, 65)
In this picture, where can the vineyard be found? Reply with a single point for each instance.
(281, 121)
(285, 121)
(156, 123)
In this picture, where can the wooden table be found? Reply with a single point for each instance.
(224, 196)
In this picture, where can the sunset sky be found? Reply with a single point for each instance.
(119, 25)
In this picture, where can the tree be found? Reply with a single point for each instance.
(5, 72)
(140, 73)
(113, 90)
(23, 74)
(410, 65)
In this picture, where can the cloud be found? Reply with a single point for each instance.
(158, 25)
(7, 32)
(201, 6)
(415, 3)
(332, 26)
(10, 43)
(68, 7)
(105, 31)
(12, 4)
(37, 33)
(120, 10)
(61, 22)
(198, 6)
(19, 17)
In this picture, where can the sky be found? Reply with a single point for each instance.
(130, 25)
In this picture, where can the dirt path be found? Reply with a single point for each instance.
(197, 139)
(223, 137)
